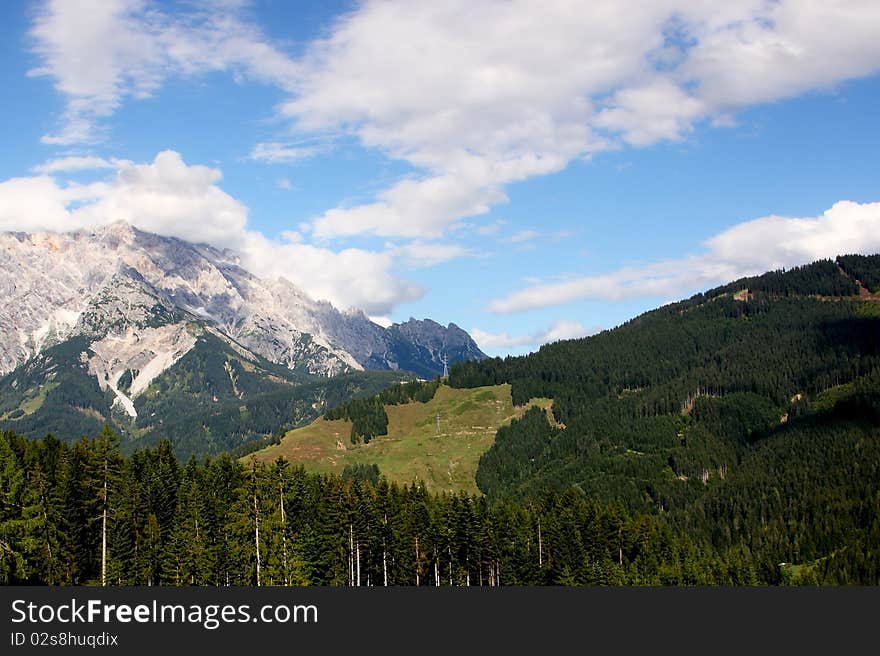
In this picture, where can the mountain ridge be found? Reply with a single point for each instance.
(49, 278)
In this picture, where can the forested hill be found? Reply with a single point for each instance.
(664, 406)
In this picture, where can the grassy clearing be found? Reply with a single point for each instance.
(30, 405)
(445, 458)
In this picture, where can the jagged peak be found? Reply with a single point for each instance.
(125, 300)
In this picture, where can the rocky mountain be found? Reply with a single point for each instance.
(165, 338)
(58, 285)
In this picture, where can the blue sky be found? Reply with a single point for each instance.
(528, 170)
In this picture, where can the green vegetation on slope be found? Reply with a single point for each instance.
(414, 448)
(658, 407)
(866, 269)
(368, 417)
(214, 399)
(54, 393)
(168, 524)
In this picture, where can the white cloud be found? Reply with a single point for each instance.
(166, 196)
(273, 152)
(565, 329)
(101, 52)
(74, 163)
(473, 95)
(170, 197)
(489, 229)
(426, 254)
(33, 203)
(522, 236)
(489, 341)
(780, 49)
(411, 208)
(348, 278)
(748, 248)
(284, 183)
(562, 329)
(97, 52)
(648, 113)
(518, 89)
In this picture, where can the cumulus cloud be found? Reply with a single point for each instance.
(565, 329)
(746, 249)
(35, 203)
(166, 196)
(348, 278)
(170, 197)
(774, 50)
(562, 329)
(650, 112)
(411, 208)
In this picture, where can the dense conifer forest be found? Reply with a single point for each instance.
(221, 522)
(651, 412)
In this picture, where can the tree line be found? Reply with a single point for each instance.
(84, 514)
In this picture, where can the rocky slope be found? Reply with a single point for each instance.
(86, 282)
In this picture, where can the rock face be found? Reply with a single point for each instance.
(121, 287)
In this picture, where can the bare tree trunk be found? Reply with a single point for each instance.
(257, 534)
(450, 564)
(385, 562)
(283, 534)
(417, 561)
(357, 548)
(46, 520)
(540, 546)
(104, 531)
